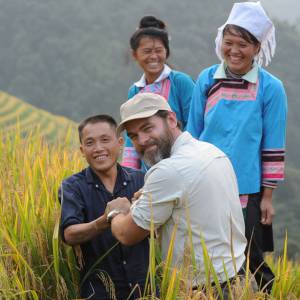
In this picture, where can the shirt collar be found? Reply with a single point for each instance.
(90, 175)
(251, 76)
(122, 175)
(163, 75)
(183, 138)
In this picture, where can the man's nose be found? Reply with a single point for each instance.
(143, 139)
(98, 146)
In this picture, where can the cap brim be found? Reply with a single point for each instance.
(145, 114)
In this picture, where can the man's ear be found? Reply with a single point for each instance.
(81, 150)
(172, 120)
(121, 141)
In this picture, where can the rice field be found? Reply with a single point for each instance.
(35, 264)
(32, 263)
(15, 111)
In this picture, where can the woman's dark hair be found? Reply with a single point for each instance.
(150, 27)
(241, 32)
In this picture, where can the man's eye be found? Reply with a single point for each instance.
(147, 129)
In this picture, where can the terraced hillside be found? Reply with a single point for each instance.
(15, 113)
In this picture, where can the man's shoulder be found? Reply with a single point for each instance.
(75, 178)
(133, 173)
(207, 147)
(165, 169)
(190, 146)
(73, 185)
(195, 154)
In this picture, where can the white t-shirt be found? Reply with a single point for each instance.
(196, 189)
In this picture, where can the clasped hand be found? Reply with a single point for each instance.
(120, 204)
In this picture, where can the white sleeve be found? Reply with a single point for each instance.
(161, 192)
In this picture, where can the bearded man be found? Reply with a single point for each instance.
(190, 185)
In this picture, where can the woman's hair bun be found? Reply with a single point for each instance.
(150, 21)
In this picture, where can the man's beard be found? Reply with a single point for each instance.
(163, 149)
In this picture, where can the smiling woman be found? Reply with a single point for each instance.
(151, 55)
(150, 49)
(241, 108)
(239, 48)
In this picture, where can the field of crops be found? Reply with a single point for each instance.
(14, 111)
(34, 263)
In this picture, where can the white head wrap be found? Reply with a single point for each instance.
(252, 17)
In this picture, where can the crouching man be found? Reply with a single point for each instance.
(84, 197)
(190, 183)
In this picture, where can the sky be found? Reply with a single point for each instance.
(284, 10)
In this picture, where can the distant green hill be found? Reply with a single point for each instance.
(15, 113)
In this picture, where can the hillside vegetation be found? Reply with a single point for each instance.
(17, 114)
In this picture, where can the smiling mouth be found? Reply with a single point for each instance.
(235, 59)
(101, 157)
(154, 65)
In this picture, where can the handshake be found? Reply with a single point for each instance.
(120, 205)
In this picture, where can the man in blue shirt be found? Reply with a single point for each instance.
(84, 197)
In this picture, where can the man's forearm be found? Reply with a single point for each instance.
(126, 231)
(81, 233)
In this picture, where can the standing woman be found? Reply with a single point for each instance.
(241, 108)
(150, 49)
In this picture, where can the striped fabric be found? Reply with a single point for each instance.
(237, 90)
(272, 167)
(269, 184)
(244, 200)
(161, 88)
(131, 158)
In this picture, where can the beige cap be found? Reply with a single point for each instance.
(142, 105)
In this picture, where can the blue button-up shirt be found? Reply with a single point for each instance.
(83, 198)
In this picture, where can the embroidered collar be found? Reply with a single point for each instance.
(251, 76)
(163, 75)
